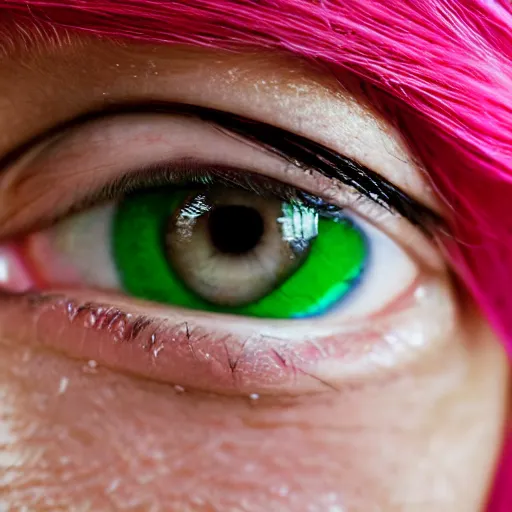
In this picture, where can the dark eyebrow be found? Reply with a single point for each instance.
(300, 151)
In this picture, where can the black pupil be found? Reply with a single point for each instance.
(235, 229)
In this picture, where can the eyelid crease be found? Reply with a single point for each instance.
(191, 173)
(299, 151)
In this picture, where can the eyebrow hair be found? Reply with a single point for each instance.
(300, 151)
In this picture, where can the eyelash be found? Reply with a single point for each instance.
(190, 173)
(186, 173)
(152, 335)
(299, 151)
(121, 326)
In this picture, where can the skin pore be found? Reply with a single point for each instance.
(77, 436)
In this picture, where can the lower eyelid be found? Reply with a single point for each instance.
(229, 355)
(176, 351)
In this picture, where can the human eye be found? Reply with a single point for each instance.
(183, 245)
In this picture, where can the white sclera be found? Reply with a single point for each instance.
(389, 271)
(83, 242)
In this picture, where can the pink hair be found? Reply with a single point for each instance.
(440, 70)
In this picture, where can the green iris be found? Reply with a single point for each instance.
(299, 263)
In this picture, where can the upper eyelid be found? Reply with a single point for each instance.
(298, 150)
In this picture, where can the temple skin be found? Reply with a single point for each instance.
(77, 436)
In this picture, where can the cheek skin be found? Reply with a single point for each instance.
(78, 438)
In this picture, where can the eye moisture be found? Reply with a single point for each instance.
(230, 251)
